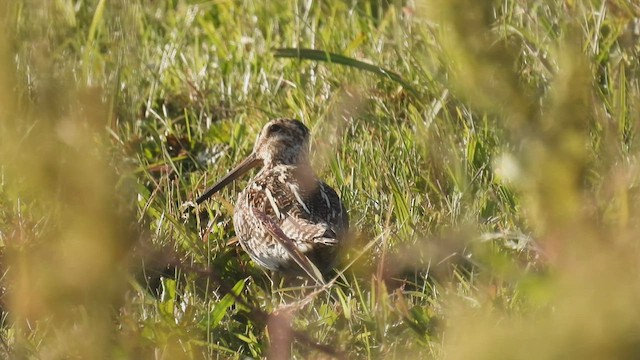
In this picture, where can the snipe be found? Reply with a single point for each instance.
(286, 218)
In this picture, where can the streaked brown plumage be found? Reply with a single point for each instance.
(286, 214)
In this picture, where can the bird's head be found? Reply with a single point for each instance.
(280, 142)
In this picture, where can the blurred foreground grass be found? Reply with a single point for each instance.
(496, 206)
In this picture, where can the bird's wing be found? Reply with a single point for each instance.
(289, 245)
(328, 208)
(304, 230)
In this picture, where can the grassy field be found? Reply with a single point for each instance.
(487, 152)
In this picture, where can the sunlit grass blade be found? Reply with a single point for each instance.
(320, 55)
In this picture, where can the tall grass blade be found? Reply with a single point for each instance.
(321, 55)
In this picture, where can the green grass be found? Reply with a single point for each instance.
(486, 151)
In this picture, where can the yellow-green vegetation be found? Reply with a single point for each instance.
(487, 152)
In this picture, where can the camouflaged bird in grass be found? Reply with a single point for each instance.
(286, 218)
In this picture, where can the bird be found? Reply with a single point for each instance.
(286, 218)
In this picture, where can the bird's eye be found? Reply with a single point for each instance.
(275, 128)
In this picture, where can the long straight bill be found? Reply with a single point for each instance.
(250, 162)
